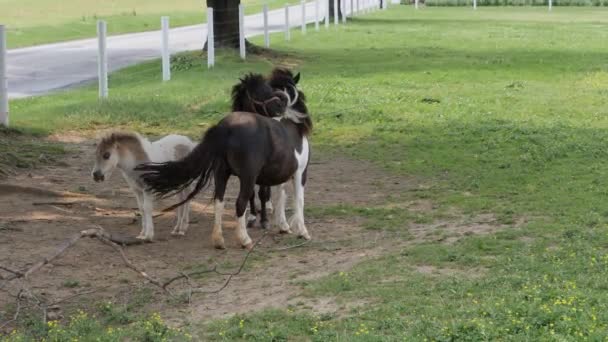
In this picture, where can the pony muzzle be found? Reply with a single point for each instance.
(98, 176)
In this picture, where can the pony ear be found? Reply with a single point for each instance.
(297, 78)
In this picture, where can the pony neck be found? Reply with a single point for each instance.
(132, 154)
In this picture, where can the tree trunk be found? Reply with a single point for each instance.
(331, 9)
(225, 23)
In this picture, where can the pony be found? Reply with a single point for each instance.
(242, 100)
(251, 86)
(257, 149)
(126, 150)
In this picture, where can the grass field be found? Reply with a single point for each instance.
(32, 22)
(500, 111)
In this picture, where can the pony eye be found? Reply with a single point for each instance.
(106, 155)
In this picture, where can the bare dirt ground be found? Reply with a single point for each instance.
(31, 231)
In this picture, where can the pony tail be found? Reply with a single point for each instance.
(166, 179)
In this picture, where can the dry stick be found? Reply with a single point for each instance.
(17, 273)
(76, 295)
(214, 270)
(292, 246)
(54, 256)
(55, 203)
(100, 235)
(17, 311)
(230, 275)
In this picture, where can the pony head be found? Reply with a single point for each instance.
(110, 150)
(254, 94)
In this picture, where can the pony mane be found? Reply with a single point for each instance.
(114, 137)
(282, 79)
(254, 94)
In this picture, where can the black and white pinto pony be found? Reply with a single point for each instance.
(251, 95)
(257, 149)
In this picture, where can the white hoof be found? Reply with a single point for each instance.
(144, 238)
(284, 228)
(305, 236)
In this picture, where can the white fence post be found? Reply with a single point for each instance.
(166, 57)
(287, 32)
(210, 39)
(336, 13)
(357, 7)
(416, 4)
(3, 79)
(266, 34)
(102, 59)
(343, 10)
(242, 48)
(303, 16)
(550, 4)
(316, 15)
(474, 4)
(352, 14)
(326, 13)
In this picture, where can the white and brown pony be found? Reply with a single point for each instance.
(257, 149)
(124, 151)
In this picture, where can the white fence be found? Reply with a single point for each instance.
(305, 9)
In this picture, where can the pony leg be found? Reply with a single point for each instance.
(297, 220)
(148, 208)
(269, 202)
(247, 189)
(253, 215)
(139, 196)
(181, 213)
(185, 218)
(217, 236)
(279, 212)
(264, 194)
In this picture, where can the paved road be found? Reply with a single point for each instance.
(42, 69)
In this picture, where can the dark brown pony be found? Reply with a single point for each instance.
(257, 149)
(244, 99)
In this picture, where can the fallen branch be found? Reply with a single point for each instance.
(17, 311)
(16, 273)
(292, 246)
(54, 256)
(231, 275)
(55, 203)
(100, 235)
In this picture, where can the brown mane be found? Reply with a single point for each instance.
(129, 140)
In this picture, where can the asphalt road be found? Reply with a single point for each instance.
(43, 69)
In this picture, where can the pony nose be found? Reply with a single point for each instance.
(98, 176)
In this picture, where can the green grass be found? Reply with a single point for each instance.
(22, 151)
(33, 22)
(498, 111)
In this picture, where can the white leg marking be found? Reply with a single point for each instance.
(269, 206)
(148, 208)
(185, 219)
(297, 220)
(241, 232)
(279, 213)
(181, 224)
(178, 222)
(139, 196)
(217, 236)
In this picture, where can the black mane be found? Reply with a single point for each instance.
(253, 94)
(283, 79)
(265, 96)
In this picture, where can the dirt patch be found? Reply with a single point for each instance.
(443, 271)
(35, 230)
(459, 226)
